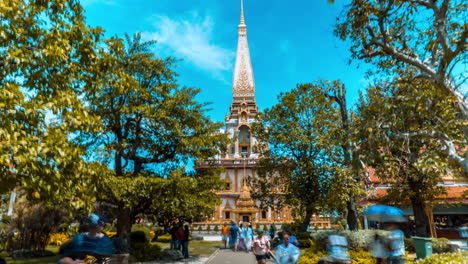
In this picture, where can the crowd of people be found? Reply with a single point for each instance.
(385, 249)
(243, 238)
(180, 237)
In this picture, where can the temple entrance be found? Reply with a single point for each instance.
(246, 218)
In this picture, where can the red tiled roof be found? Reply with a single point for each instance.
(454, 193)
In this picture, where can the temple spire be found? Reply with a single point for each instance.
(243, 85)
(242, 20)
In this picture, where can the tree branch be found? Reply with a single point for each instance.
(443, 138)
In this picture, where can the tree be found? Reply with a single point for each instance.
(302, 152)
(413, 166)
(419, 39)
(47, 54)
(152, 130)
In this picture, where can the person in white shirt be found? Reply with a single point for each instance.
(287, 253)
(261, 247)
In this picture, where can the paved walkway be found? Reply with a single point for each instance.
(227, 256)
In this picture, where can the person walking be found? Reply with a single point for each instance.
(233, 236)
(287, 253)
(261, 247)
(396, 245)
(248, 235)
(172, 232)
(225, 234)
(378, 249)
(272, 231)
(241, 244)
(179, 236)
(185, 241)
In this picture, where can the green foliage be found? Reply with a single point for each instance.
(208, 228)
(35, 234)
(409, 245)
(416, 165)
(302, 148)
(441, 245)
(145, 251)
(304, 243)
(200, 228)
(447, 258)
(216, 228)
(47, 55)
(152, 128)
(419, 40)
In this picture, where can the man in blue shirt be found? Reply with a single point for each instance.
(234, 236)
(396, 245)
(93, 243)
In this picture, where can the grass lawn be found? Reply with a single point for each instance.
(198, 248)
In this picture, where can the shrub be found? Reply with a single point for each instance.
(200, 228)
(192, 228)
(361, 257)
(145, 251)
(409, 245)
(143, 228)
(208, 228)
(265, 227)
(58, 239)
(441, 245)
(216, 228)
(447, 258)
(257, 226)
(137, 237)
(304, 243)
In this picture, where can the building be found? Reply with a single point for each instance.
(241, 159)
(446, 214)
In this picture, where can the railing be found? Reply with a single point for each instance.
(228, 163)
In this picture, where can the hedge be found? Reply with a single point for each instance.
(447, 258)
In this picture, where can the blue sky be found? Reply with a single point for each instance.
(290, 42)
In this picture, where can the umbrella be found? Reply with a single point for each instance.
(385, 213)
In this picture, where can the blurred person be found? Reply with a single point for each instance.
(225, 234)
(272, 231)
(395, 244)
(378, 249)
(233, 236)
(241, 244)
(287, 253)
(92, 243)
(172, 232)
(337, 247)
(248, 235)
(261, 247)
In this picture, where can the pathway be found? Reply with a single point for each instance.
(227, 256)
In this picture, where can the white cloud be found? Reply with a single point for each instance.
(191, 38)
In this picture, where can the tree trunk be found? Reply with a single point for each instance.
(420, 217)
(352, 217)
(306, 221)
(124, 223)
